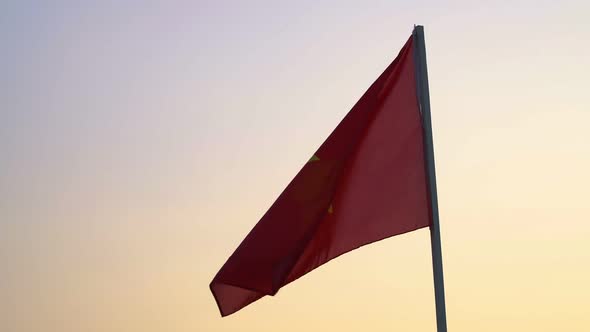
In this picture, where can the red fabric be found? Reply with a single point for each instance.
(365, 183)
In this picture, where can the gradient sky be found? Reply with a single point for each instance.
(140, 142)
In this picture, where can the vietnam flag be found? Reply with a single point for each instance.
(366, 182)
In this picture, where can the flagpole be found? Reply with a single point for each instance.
(435, 243)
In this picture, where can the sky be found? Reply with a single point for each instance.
(141, 141)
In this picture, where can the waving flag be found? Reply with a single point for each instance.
(366, 182)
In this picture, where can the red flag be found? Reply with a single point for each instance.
(365, 183)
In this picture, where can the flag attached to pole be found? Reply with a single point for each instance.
(366, 182)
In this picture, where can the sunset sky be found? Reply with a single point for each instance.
(140, 142)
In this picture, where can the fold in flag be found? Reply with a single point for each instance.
(366, 182)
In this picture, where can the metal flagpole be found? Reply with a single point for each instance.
(424, 101)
